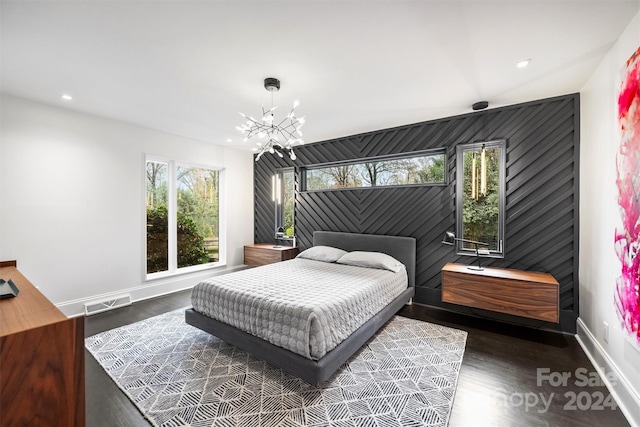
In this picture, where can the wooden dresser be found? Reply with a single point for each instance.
(266, 253)
(41, 359)
(519, 293)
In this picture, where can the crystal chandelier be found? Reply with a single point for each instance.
(274, 137)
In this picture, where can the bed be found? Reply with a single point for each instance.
(318, 364)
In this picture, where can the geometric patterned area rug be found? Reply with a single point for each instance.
(178, 375)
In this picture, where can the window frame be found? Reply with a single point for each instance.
(390, 157)
(501, 144)
(278, 199)
(172, 214)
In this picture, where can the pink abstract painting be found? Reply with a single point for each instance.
(627, 235)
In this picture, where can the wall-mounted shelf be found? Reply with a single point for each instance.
(519, 293)
(267, 253)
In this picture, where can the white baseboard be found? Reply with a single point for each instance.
(148, 290)
(625, 395)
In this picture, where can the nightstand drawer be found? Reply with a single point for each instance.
(515, 292)
(266, 253)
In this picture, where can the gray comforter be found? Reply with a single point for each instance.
(305, 306)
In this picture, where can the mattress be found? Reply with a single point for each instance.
(305, 306)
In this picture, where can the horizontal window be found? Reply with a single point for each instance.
(426, 168)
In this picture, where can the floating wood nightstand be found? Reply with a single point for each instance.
(266, 253)
(519, 293)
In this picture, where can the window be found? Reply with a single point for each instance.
(283, 196)
(157, 217)
(480, 196)
(183, 216)
(425, 168)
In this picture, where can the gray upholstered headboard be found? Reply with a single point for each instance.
(401, 248)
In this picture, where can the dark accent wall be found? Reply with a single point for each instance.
(541, 230)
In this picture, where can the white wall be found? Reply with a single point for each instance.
(72, 191)
(599, 216)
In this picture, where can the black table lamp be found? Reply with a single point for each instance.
(450, 239)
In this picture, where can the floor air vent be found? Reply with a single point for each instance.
(99, 306)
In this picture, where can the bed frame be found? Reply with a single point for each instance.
(317, 372)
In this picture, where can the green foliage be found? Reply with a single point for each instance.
(191, 248)
(288, 202)
(433, 173)
(198, 198)
(480, 217)
(157, 239)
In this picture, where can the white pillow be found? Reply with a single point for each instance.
(322, 253)
(371, 260)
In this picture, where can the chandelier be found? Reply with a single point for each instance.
(274, 137)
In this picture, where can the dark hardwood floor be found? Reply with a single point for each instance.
(510, 376)
(107, 406)
(517, 376)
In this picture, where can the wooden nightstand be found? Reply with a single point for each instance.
(516, 292)
(265, 253)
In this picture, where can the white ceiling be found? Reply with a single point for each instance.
(189, 67)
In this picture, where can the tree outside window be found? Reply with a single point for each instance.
(288, 202)
(183, 205)
(480, 195)
(157, 217)
(283, 197)
(426, 168)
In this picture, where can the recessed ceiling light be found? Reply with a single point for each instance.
(523, 64)
(67, 97)
(229, 140)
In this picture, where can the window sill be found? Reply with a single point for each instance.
(184, 271)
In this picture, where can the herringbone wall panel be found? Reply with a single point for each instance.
(541, 194)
